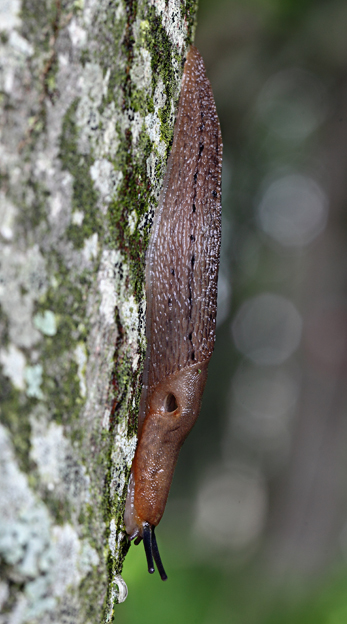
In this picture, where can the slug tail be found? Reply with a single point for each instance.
(157, 558)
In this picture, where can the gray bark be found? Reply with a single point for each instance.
(89, 92)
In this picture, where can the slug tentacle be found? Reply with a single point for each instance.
(181, 288)
(157, 559)
(147, 542)
(152, 550)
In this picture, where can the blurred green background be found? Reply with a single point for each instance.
(255, 530)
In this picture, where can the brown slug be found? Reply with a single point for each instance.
(182, 264)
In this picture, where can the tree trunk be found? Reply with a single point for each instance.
(89, 92)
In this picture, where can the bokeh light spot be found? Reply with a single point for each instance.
(293, 210)
(267, 329)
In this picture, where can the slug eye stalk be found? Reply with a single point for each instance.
(152, 551)
(157, 559)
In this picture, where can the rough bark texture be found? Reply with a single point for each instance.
(88, 94)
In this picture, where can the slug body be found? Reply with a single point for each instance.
(181, 282)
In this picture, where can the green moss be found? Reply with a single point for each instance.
(38, 24)
(110, 33)
(84, 196)
(60, 380)
(33, 207)
(141, 103)
(59, 509)
(189, 13)
(15, 587)
(85, 57)
(89, 591)
(14, 414)
(64, 392)
(42, 28)
(4, 328)
(133, 194)
(160, 47)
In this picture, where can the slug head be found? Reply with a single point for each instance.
(172, 408)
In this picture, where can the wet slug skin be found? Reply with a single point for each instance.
(182, 264)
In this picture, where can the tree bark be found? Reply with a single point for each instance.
(89, 92)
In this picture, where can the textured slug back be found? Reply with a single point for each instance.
(183, 255)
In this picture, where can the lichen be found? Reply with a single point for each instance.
(43, 559)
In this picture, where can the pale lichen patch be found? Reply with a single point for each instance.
(100, 173)
(136, 128)
(44, 165)
(8, 213)
(110, 137)
(106, 179)
(112, 273)
(135, 361)
(46, 323)
(48, 450)
(9, 15)
(112, 537)
(20, 45)
(23, 279)
(90, 247)
(122, 455)
(141, 71)
(48, 559)
(132, 220)
(56, 206)
(77, 33)
(159, 94)
(67, 568)
(93, 86)
(81, 359)
(106, 418)
(77, 217)
(33, 378)
(128, 310)
(152, 162)
(152, 122)
(106, 278)
(172, 21)
(52, 453)
(13, 362)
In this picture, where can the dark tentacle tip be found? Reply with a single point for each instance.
(157, 557)
(152, 551)
(147, 542)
